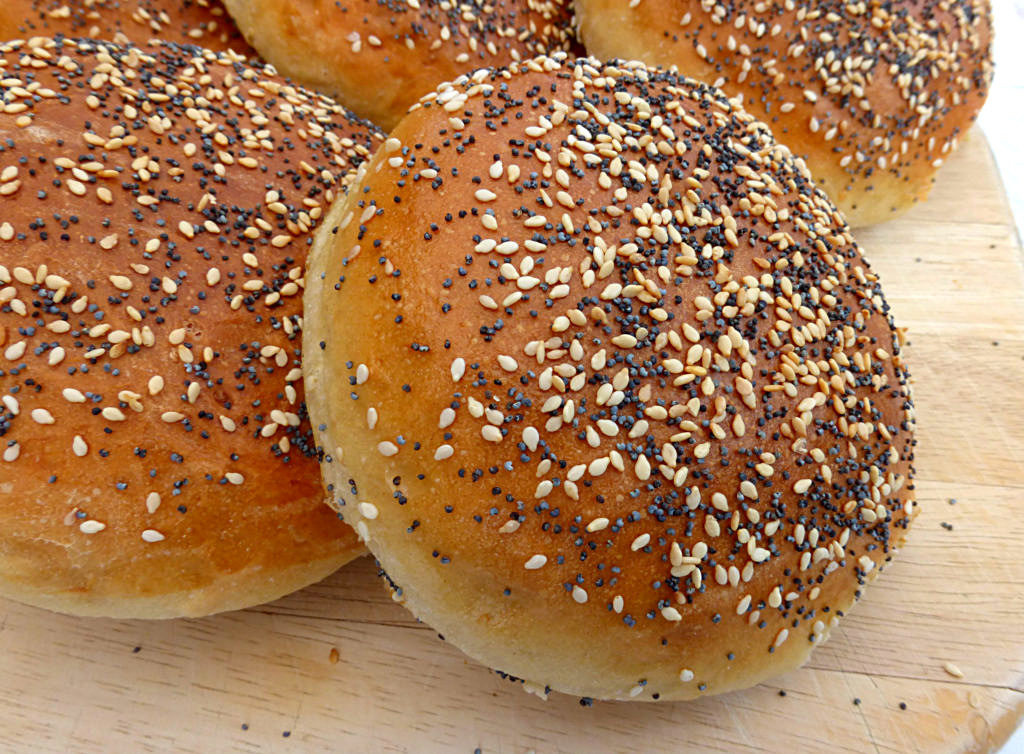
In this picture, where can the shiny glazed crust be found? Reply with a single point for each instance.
(155, 209)
(199, 22)
(378, 58)
(873, 96)
(606, 384)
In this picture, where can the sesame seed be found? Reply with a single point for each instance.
(535, 562)
(152, 535)
(15, 351)
(711, 527)
(643, 468)
(640, 542)
(368, 511)
(387, 448)
(458, 369)
(91, 527)
(79, 447)
(531, 438)
(41, 416)
(491, 433)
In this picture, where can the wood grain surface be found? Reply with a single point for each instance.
(340, 667)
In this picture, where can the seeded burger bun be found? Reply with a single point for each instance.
(156, 208)
(378, 58)
(874, 96)
(625, 414)
(199, 22)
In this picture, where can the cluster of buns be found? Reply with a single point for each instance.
(593, 363)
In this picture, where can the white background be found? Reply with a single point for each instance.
(1003, 116)
(1003, 123)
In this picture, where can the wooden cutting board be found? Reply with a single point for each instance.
(340, 667)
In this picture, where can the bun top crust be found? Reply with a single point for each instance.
(378, 58)
(874, 95)
(199, 22)
(155, 212)
(625, 413)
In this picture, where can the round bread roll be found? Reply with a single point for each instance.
(378, 58)
(198, 22)
(874, 97)
(625, 414)
(156, 209)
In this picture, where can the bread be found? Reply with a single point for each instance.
(624, 414)
(379, 58)
(155, 213)
(198, 22)
(874, 97)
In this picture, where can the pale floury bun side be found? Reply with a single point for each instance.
(379, 58)
(606, 384)
(875, 96)
(156, 208)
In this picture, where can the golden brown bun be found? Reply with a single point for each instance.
(873, 96)
(155, 209)
(198, 22)
(378, 58)
(622, 319)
